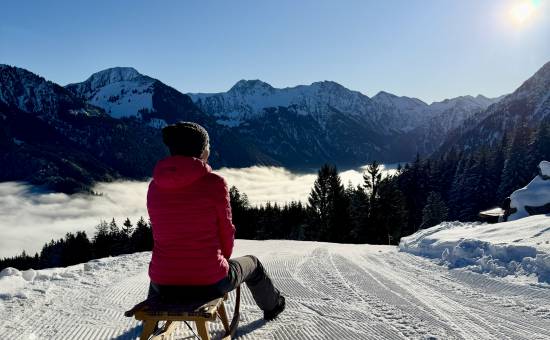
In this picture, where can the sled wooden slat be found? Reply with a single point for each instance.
(153, 313)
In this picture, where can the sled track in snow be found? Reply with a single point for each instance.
(333, 292)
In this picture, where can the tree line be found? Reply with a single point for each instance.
(457, 185)
(108, 240)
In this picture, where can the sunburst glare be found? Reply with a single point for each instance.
(523, 11)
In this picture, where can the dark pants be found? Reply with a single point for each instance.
(247, 269)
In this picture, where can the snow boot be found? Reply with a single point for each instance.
(272, 314)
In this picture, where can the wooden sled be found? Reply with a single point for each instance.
(150, 313)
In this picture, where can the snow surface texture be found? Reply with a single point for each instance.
(535, 194)
(333, 292)
(518, 248)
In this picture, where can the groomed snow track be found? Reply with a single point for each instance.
(333, 292)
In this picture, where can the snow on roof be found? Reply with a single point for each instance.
(544, 168)
(493, 212)
(535, 194)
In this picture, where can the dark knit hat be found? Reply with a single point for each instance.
(185, 139)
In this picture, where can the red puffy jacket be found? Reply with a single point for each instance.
(191, 218)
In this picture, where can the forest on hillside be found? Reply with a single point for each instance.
(455, 186)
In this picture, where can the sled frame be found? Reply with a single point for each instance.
(209, 312)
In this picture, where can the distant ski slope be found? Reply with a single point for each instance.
(334, 292)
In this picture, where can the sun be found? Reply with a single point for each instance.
(521, 12)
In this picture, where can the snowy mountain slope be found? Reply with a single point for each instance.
(334, 291)
(25, 91)
(48, 136)
(120, 91)
(304, 126)
(52, 136)
(529, 104)
(412, 112)
(450, 113)
(446, 116)
(124, 92)
(385, 127)
(248, 98)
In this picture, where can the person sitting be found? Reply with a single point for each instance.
(193, 233)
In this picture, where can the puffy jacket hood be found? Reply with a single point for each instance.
(179, 171)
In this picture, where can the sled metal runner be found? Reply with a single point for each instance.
(151, 313)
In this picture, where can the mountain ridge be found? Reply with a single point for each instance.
(253, 123)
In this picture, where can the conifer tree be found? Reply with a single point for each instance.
(142, 238)
(358, 213)
(101, 241)
(389, 214)
(127, 228)
(435, 211)
(319, 203)
(246, 226)
(541, 144)
(114, 230)
(517, 171)
(76, 249)
(329, 206)
(372, 179)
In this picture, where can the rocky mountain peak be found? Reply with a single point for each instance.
(250, 86)
(113, 75)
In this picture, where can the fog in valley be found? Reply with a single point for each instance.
(31, 218)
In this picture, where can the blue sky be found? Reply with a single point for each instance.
(430, 49)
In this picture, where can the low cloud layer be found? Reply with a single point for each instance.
(274, 184)
(30, 218)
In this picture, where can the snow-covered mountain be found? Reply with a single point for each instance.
(120, 91)
(27, 92)
(386, 127)
(58, 137)
(301, 126)
(445, 117)
(529, 104)
(409, 112)
(51, 137)
(124, 92)
(248, 99)
(450, 113)
(298, 127)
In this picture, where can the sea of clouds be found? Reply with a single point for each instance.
(29, 218)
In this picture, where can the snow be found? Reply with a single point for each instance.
(120, 91)
(518, 248)
(124, 98)
(493, 212)
(29, 92)
(248, 98)
(544, 168)
(333, 291)
(229, 122)
(31, 218)
(157, 123)
(535, 194)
